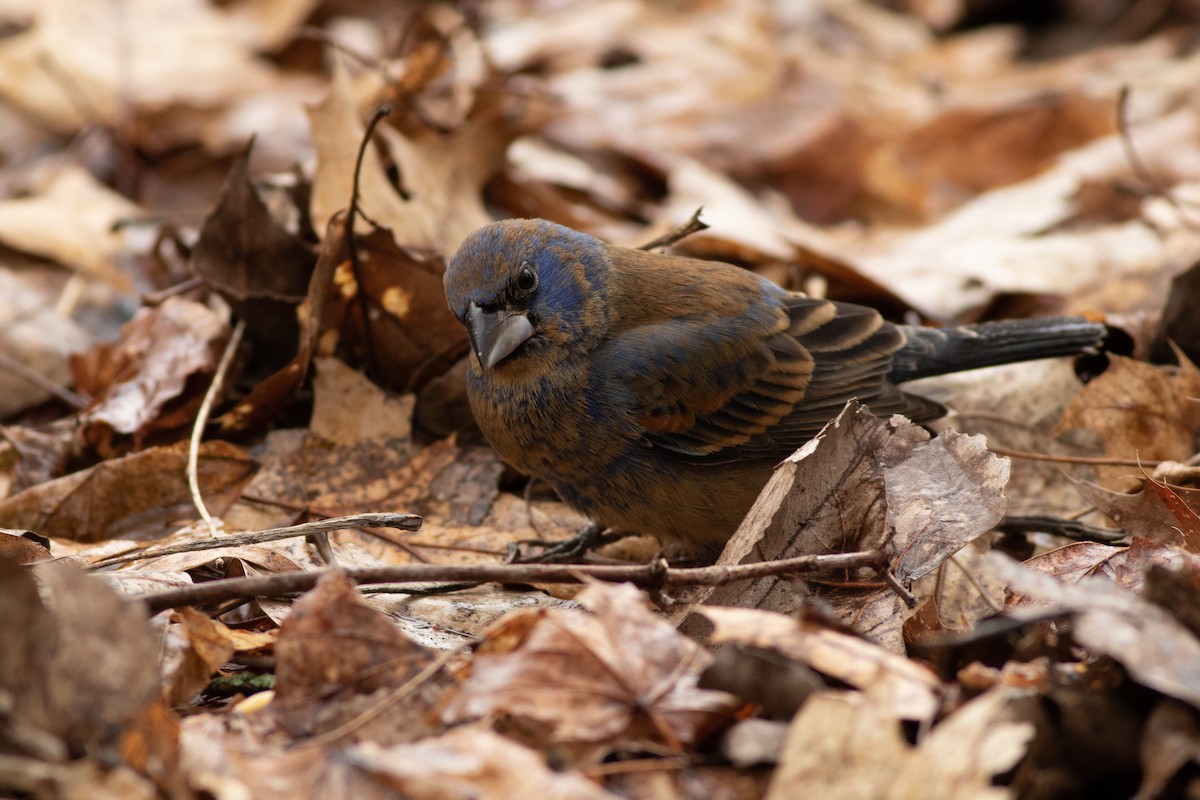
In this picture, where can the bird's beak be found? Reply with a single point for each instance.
(495, 334)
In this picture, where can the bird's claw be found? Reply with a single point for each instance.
(590, 537)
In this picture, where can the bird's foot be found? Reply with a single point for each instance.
(590, 537)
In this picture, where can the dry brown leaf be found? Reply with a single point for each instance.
(1016, 406)
(140, 496)
(72, 220)
(149, 380)
(1154, 648)
(848, 745)
(999, 241)
(1139, 410)
(334, 651)
(348, 409)
(1139, 513)
(1078, 560)
(77, 667)
(194, 647)
(253, 261)
(391, 313)
(469, 761)
(22, 547)
(1188, 521)
(967, 751)
(148, 57)
(964, 152)
(36, 335)
(228, 562)
(1125, 566)
(267, 399)
(907, 689)
(863, 484)
(843, 744)
(618, 675)
(337, 130)
(441, 176)
(357, 454)
(1170, 743)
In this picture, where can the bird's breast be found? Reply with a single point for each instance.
(558, 426)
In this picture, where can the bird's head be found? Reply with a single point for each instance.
(529, 291)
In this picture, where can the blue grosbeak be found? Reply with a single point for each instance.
(655, 392)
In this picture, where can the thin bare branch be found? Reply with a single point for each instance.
(408, 522)
(655, 574)
(210, 397)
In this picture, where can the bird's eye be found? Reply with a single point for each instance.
(526, 280)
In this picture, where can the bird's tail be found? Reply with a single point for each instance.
(937, 351)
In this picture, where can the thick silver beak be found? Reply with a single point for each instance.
(495, 334)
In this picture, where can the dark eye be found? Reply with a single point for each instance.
(526, 280)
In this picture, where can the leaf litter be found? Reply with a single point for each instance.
(1028, 628)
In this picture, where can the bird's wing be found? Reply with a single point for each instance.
(759, 384)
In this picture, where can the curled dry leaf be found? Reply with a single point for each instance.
(905, 688)
(194, 647)
(1153, 646)
(841, 744)
(267, 399)
(1124, 566)
(865, 484)
(848, 744)
(147, 381)
(616, 675)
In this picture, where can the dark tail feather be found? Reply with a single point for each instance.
(937, 351)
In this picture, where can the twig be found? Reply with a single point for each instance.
(641, 765)
(1135, 161)
(1099, 462)
(324, 37)
(380, 114)
(655, 574)
(1067, 528)
(408, 522)
(970, 576)
(40, 381)
(72, 293)
(210, 397)
(411, 685)
(327, 513)
(161, 296)
(894, 584)
(693, 225)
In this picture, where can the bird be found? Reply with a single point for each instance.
(655, 393)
